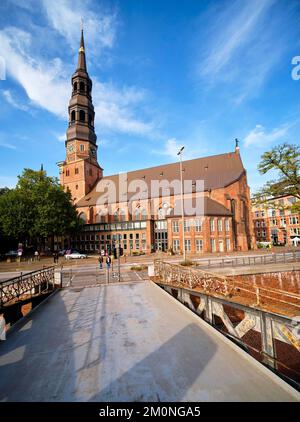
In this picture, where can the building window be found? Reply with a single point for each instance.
(186, 225)
(220, 225)
(176, 246)
(175, 226)
(67, 172)
(76, 187)
(81, 147)
(137, 214)
(122, 215)
(256, 214)
(263, 233)
(295, 231)
(213, 245)
(187, 243)
(212, 224)
(199, 245)
(143, 214)
(75, 86)
(76, 171)
(198, 225)
(116, 217)
(82, 116)
(294, 220)
(227, 245)
(227, 226)
(221, 245)
(82, 87)
(73, 116)
(257, 224)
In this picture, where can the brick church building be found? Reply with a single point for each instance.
(145, 209)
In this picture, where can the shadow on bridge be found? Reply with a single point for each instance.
(64, 352)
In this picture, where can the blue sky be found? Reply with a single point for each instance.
(197, 73)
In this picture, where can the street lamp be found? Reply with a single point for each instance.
(182, 206)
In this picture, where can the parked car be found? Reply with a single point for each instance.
(11, 254)
(75, 255)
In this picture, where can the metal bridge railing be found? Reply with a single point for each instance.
(31, 283)
(270, 337)
(228, 286)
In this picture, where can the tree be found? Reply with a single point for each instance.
(37, 208)
(285, 160)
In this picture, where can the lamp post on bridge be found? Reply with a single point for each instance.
(182, 203)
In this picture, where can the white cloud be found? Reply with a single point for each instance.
(239, 49)
(235, 33)
(41, 80)
(5, 144)
(259, 137)
(172, 146)
(61, 138)
(47, 86)
(13, 102)
(100, 29)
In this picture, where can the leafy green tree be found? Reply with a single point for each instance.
(285, 161)
(37, 208)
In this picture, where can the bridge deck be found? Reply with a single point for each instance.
(127, 342)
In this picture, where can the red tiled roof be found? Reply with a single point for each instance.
(216, 171)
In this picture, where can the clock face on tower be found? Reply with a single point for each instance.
(71, 148)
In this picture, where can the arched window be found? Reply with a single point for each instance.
(81, 87)
(122, 215)
(143, 214)
(82, 116)
(137, 214)
(75, 86)
(82, 216)
(73, 116)
(116, 216)
(90, 120)
(161, 214)
(89, 90)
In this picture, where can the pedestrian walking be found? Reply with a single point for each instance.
(100, 259)
(108, 261)
(36, 256)
(2, 327)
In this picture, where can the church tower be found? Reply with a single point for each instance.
(80, 171)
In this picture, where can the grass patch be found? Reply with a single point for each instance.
(139, 267)
(186, 263)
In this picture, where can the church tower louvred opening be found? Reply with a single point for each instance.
(80, 171)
